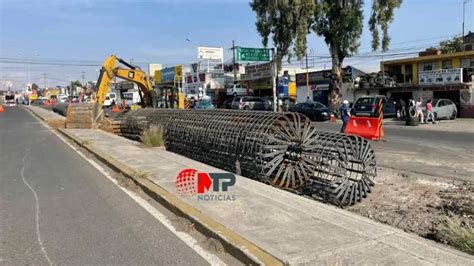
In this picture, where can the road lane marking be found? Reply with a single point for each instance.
(186, 238)
(38, 234)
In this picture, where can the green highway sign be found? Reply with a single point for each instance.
(253, 54)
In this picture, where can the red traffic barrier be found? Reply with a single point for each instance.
(366, 127)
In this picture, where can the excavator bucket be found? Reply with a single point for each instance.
(83, 115)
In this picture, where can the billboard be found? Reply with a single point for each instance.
(152, 68)
(440, 76)
(258, 71)
(212, 53)
(169, 75)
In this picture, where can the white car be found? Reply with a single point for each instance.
(63, 98)
(111, 98)
(238, 90)
(442, 109)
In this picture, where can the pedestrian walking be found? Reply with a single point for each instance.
(419, 111)
(345, 114)
(429, 111)
(403, 108)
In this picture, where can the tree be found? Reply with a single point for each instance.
(339, 22)
(76, 83)
(34, 86)
(451, 46)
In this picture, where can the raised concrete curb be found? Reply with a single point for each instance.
(52, 119)
(239, 247)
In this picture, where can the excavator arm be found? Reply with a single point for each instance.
(134, 74)
(89, 115)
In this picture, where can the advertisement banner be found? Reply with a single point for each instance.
(169, 75)
(440, 76)
(212, 53)
(258, 71)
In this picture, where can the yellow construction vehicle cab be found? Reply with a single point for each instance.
(81, 115)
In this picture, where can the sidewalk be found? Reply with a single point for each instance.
(292, 228)
(463, 125)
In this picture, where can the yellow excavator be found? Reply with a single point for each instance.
(89, 115)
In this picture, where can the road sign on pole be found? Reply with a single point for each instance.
(253, 54)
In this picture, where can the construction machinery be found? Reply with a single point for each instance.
(89, 115)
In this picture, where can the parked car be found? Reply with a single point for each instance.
(315, 111)
(367, 106)
(63, 98)
(238, 89)
(248, 103)
(442, 109)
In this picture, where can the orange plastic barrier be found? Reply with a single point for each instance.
(115, 109)
(366, 127)
(1, 108)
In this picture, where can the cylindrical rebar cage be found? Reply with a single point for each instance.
(282, 149)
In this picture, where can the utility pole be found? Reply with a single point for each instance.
(274, 76)
(45, 80)
(463, 17)
(233, 61)
(83, 75)
(307, 75)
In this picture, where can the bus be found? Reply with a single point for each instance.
(10, 99)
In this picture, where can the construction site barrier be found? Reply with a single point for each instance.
(367, 127)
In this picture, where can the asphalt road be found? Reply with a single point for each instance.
(55, 208)
(422, 150)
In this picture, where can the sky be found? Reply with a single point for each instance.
(85, 32)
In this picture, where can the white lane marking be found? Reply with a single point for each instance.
(186, 238)
(38, 234)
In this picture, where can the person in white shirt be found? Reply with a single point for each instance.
(419, 111)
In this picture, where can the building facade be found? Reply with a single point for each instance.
(433, 75)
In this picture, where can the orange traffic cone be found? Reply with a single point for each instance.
(1, 108)
(115, 109)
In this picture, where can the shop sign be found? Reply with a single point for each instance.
(212, 53)
(258, 71)
(440, 76)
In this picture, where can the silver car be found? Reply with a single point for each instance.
(248, 103)
(442, 109)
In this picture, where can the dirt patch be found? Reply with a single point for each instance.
(183, 225)
(214, 245)
(435, 208)
(126, 182)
